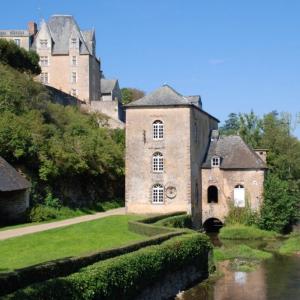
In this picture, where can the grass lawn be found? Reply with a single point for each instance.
(291, 245)
(68, 241)
(242, 232)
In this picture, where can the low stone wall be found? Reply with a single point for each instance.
(173, 283)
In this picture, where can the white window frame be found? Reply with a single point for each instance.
(74, 61)
(157, 194)
(239, 196)
(44, 77)
(74, 77)
(17, 42)
(158, 130)
(157, 162)
(215, 161)
(44, 61)
(74, 92)
(44, 43)
(73, 42)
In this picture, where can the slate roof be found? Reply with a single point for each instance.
(196, 100)
(10, 179)
(107, 85)
(167, 96)
(62, 27)
(234, 154)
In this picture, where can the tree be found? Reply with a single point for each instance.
(131, 94)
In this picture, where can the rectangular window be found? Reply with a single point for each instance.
(73, 42)
(44, 77)
(74, 61)
(74, 92)
(74, 77)
(44, 43)
(44, 61)
(17, 42)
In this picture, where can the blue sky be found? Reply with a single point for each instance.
(238, 55)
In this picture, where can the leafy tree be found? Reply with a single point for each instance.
(131, 94)
(232, 125)
(281, 204)
(19, 58)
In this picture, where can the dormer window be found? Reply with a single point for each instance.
(215, 161)
(44, 43)
(73, 42)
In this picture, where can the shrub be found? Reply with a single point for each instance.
(182, 221)
(242, 232)
(42, 213)
(51, 201)
(125, 276)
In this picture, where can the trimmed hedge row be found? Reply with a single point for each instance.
(13, 281)
(182, 221)
(149, 227)
(124, 277)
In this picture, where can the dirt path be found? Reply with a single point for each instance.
(10, 233)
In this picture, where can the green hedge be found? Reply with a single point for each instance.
(182, 221)
(12, 281)
(147, 227)
(124, 277)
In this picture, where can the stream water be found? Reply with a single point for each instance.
(277, 278)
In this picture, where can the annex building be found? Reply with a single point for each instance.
(176, 160)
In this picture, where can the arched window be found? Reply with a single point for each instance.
(158, 130)
(239, 196)
(157, 162)
(157, 193)
(212, 194)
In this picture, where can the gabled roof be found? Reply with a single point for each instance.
(62, 27)
(167, 96)
(10, 179)
(234, 154)
(107, 85)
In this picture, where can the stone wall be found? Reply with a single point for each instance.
(225, 181)
(13, 205)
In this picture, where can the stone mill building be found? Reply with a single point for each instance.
(176, 160)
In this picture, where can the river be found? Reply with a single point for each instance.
(277, 278)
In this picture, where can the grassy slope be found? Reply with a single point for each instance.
(69, 241)
(242, 232)
(291, 245)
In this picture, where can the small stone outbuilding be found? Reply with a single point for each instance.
(14, 193)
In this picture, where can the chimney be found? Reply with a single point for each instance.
(215, 135)
(32, 28)
(262, 153)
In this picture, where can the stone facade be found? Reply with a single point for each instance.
(174, 171)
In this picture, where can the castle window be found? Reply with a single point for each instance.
(74, 60)
(74, 77)
(215, 161)
(158, 130)
(158, 162)
(44, 43)
(157, 193)
(212, 194)
(239, 196)
(17, 42)
(44, 77)
(44, 61)
(73, 42)
(74, 92)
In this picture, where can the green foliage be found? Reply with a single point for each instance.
(131, 94)
(241, 252)
(280, 206)
(242, 232)
(291, 245)
(59, 147)
(125, 276)
(183, 221)
(19, 58)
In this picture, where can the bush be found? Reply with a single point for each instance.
(124, 277)
(182, 221)
(42, 213)
(242, 232)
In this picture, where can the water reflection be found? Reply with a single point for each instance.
(275, 279)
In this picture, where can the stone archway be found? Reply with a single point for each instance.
(212, 225)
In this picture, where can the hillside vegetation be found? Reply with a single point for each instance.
(69, 158)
